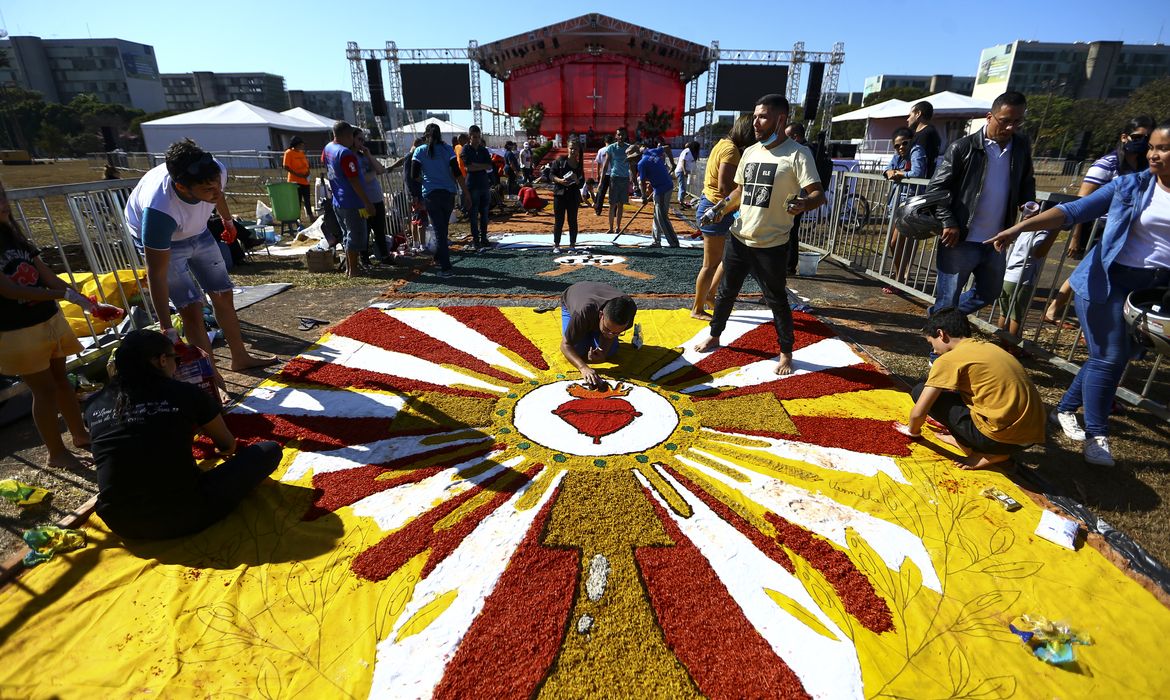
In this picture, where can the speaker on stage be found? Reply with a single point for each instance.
(812, 94)
(109, 138)
(377, 93)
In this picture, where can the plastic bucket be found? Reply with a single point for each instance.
(807, 263)
(286, 205)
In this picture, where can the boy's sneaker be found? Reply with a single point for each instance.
(1067, 421)
(1097, 451)
(446, 273)
(556, 250)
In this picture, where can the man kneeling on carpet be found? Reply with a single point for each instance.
(593, 315)
(978, 392)
(142, 425)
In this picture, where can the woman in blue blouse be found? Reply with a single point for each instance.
(1134, 254)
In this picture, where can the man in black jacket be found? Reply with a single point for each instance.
(989, 177)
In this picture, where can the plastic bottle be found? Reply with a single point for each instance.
(714, 212)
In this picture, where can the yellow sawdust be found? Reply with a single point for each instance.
(426, 615)
(434, 410)
(762, 412)
(878, 404)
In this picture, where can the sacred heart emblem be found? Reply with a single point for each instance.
(595, 412)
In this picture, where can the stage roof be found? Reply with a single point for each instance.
(594, 34)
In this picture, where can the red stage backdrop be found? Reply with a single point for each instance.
(570, 86)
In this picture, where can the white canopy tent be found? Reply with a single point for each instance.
(404, 136)
(311, 117)
(952, 113)
(234, 126)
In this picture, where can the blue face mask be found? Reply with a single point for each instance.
(768, 142)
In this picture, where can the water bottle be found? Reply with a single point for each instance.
(714, 212)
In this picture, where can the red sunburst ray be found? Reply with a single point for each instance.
(867, 435)
(335, 376)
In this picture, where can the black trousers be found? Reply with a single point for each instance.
(377, 226)
(768, 266)
(599, 197)
(950, 410)
(794, 244)
(565, 208)
(306, 196)
(218, 493)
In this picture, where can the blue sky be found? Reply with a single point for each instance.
(305, 41)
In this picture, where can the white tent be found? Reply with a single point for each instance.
(234, 126)
(952, 112)
(311, 117)
(404, 136)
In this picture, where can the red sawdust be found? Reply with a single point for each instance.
(757, 344)
(382, 330)
(836, 380)
(492, 324)
(856, 592)
(315, 432)
(337, 376)
(704, 626)
(508, 650)
(336, 490)
(857, 434)
(419, 535)
(597, 418)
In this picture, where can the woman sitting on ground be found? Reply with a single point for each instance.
(143, 424)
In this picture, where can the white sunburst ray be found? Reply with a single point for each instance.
(738, 324)
(286, 400)
(825, 516)
(354, 354)
(454, 333)
(833, 458)
(393, 508)
(830, 353)
(376, 452)
(827, 667)
(472, 570)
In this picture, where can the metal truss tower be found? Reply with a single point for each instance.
(829, 90)
(395, 70)
(692, 104)
(794, 70)
(357, 77)
(712, 82)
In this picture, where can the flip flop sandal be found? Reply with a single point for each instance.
(307, 323)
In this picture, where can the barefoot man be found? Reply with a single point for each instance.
(771, 175)
(168, 212)
(593, 315)
(978, 392)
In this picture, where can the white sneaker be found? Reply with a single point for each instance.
(1097, 451)
(556, 250)
(1067, 421)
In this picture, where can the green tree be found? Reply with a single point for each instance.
(909, 94)
(1151, 99)
(22, 112)
(847, 130)
(51, 141)
(531, 118)
(656, 122)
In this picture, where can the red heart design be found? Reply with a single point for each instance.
(597, 417)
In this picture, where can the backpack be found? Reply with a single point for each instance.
(330, 228)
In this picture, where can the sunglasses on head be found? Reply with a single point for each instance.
(1138, 137)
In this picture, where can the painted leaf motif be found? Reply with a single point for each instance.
(1020, 569)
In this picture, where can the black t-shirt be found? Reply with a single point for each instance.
(144, 456)
(929, 139)
(18, 261)
(477, 180)
(561, 167)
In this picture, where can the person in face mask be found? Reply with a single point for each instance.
(1128, 157)
(776, 179)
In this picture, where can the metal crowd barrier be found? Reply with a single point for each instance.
(855, 229)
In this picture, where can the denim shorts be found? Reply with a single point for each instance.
(353, 228)
(196, 266)
(719, 228)
(619, 190)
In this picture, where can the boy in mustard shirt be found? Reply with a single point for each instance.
(978, 392)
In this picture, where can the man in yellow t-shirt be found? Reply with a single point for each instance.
(297, 165)
(771, 176)
(978, 392)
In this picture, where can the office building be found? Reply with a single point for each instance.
(1093, 70)
(188, 91)
(335, 104)
(116, 71)
(961, 84)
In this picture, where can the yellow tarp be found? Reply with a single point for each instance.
(87, 283)
(267, 604)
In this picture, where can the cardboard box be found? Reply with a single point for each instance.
(320, 260)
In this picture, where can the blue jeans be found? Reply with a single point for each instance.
(957, 264)
(682, 187)
(662, 227)
(478, 215)
(719, 228)
(1110, 346)
(355, 237)
(582, 346)
(440, 204)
